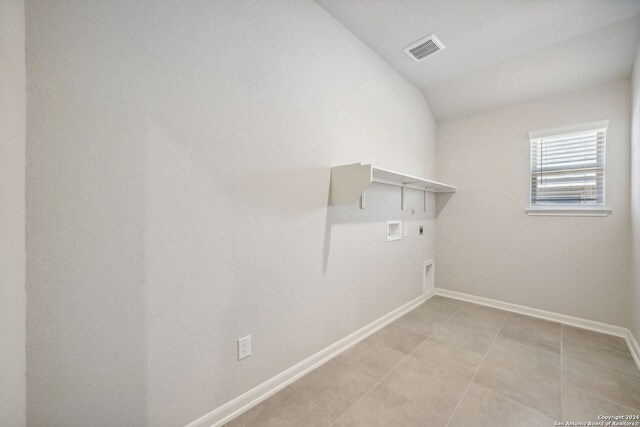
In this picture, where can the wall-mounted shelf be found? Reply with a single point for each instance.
(349, 182)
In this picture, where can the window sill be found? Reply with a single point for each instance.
(568, 212)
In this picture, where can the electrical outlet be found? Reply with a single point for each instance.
(244, 347)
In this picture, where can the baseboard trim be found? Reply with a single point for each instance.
(592, 325)
(634, 348)
(246, 401)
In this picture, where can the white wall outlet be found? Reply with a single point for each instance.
(244, 347)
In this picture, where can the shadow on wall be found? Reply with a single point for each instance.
(383, 203)
(443, 199)
(161, 205)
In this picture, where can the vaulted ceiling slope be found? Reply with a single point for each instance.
(498, 52)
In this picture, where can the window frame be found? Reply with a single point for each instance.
(568, 209)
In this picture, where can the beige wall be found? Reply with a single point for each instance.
(488, 246)
(634, 320)
(12, 213)
(179, 160)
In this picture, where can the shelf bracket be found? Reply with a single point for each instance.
(402, 197)
(425, 199)
(348, 183)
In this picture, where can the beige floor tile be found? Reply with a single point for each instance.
(397, 338)
(524, 374)
(537, 333)
(478, 315)
(434, 389)
(477, 320)
(477, 339)
(283, 409)
(335, 386)
(441, 301)
(439, 307)
(373, 360)
(382, 407)
(583, 405)
(451, 356)
(518, 376)
(620, 388)
(621, 363)
(484, 408)
(596, 339)
(420, 322)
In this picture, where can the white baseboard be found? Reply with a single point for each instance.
(634, 348)
(240, 404)
(578, 322)
(246, 401)
(592, 325)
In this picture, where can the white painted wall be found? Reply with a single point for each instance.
(634, 320)
(12, 213)
(488, 246)
(179, 159)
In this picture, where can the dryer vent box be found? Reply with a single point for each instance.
(394, 230)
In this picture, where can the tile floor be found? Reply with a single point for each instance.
(450, 363)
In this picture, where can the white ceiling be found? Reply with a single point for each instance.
(498, 52)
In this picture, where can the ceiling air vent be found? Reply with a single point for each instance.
(423, 48)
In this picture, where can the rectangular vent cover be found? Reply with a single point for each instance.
(423, 48)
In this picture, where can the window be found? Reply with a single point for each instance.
(568, 170)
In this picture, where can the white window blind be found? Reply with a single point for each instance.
(567, 170)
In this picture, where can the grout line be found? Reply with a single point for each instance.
(589, 391)
(476, 372)
(316, 405)
(600, 347)
(604, 368)
(372, 387)
(399, 362)
(334, 358)
(313, 402)
(514, 402)
(602, 396)
(531, 346)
